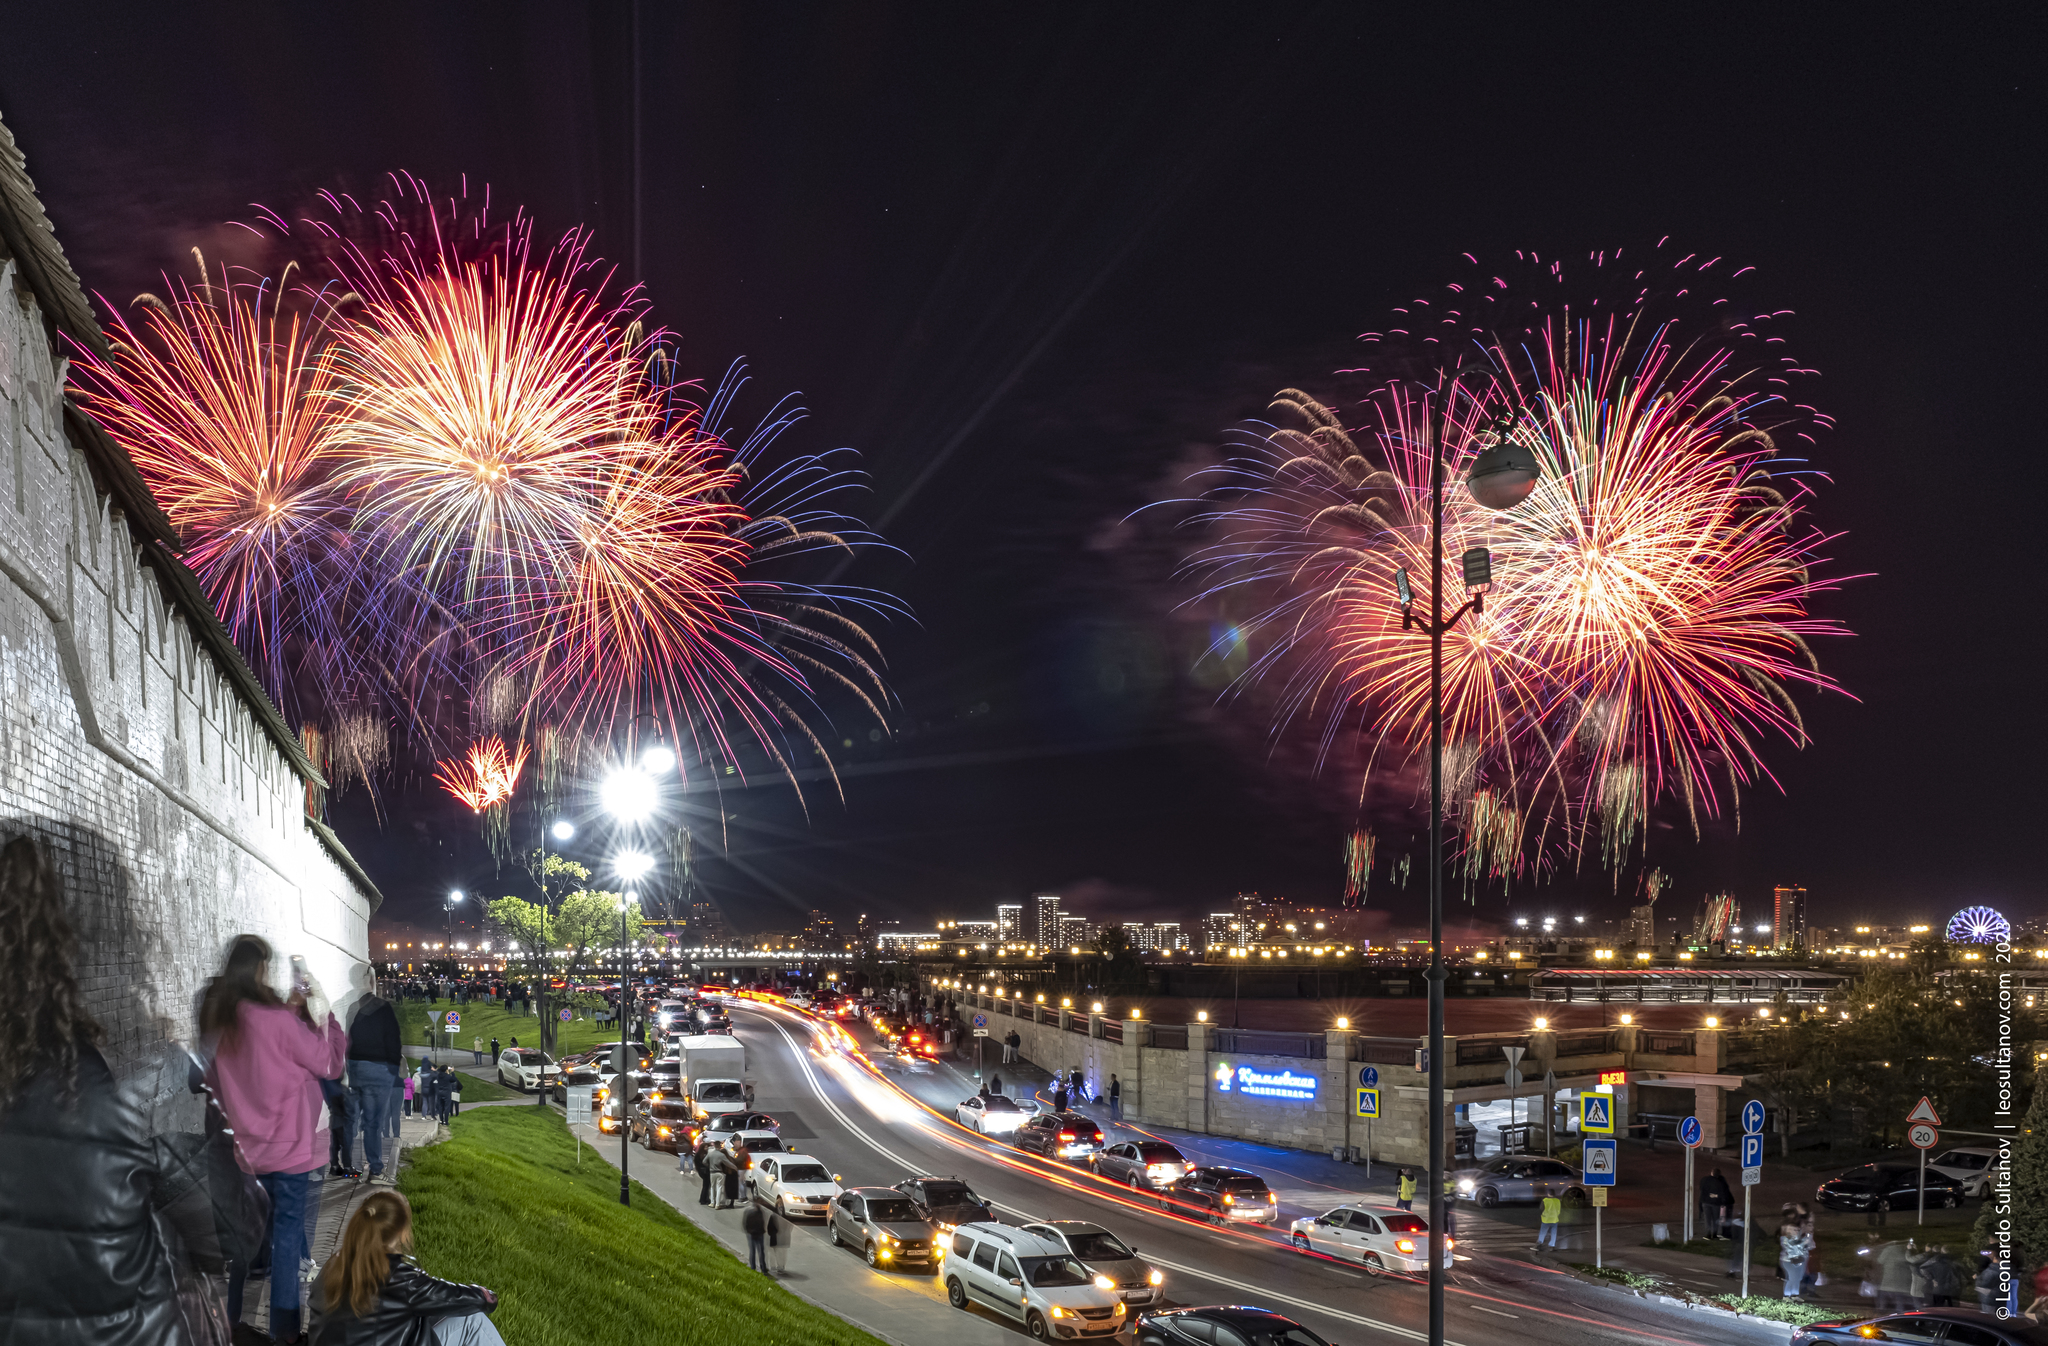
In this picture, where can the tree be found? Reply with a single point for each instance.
(1120, 964)
(564, 941)
(2028, 1210)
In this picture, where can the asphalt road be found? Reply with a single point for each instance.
(873, 1134)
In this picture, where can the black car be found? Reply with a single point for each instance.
(946, 1202)
(1951, 1327)
(560, 1085)
(1059, 1135)
(1888, 1187)
(1222, 1196)
(1223, 1325)
(663, 1124)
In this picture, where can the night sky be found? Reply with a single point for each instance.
(1032, 262)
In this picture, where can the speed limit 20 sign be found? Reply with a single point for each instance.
(1922, 1136)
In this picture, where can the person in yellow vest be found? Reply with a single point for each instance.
(1553, 1211)
(1405, 1194)
(1450, 1206)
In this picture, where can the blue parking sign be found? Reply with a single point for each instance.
(1752, 1151)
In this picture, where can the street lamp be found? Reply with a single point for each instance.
(448, 906)
(632, 864)
(1501, 477)
(561, 830)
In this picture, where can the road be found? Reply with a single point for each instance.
(874, 1134)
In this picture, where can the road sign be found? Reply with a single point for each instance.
(579, 1103)
(1599, 1163)
(1752, 1118)
(981, 1032)
(1923, 1111)
(1422, 1059)
(981, 1021)
(1922, 1136)
(435, 1015)
(1596, 1113)
(1514, 1054)
(1752, 1151)
(564, 1016)
(1689, 1131)
(1751, 1177)
(1512, 1077)
(1599, 1196)
(1368, 1105)
(1369, 1076)
(453, 1019)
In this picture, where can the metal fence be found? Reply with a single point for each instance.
(1585, 1044)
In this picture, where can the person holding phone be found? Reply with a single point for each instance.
(270, 1053)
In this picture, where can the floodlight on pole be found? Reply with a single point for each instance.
(658, 760)
(627, 794)
(563, 829)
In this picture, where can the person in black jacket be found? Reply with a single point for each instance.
(372, 1294)
(375, 1062)
(82, 1258)
(704, 1172)
(1715, 1202)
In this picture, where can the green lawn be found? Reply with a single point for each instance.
(503, 1204)
(488, 1021)
(1840, 1237)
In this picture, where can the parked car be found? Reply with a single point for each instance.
(946, 1202)
(1059, 1135)
(794, 1184)
(1519, 1178)
(560, 1084)
(1140, 1164)
(526, 1068)
(1222, 1196)
(1975, 1167)
(1379, 1240)
(1032, 1279)
(1888, 1187)
(1952, 1327)
(732, 1122)
(663, 1124)
(1231, 1323)
(1105, 1254)
(988, 1115)
(885, 1226)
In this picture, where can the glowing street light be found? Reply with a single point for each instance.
(628, 794)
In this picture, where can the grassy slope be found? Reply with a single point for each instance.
(490, 1021)
(503, 1204)
(1841, 1236)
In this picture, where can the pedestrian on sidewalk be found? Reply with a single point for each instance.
(496, 1050)
(1450, 1206)
(375, 1058)
(1793, 1246)
(1715, 1202)
(269, 1054)
(1404, 1191)
(410, 1085)
(754, 1224)
(1059, 1093)
(995, 1085)
(779, 1234)
(82, 1256)
(1116, 1099)
(335, 1094)
(454, 1093)
(1553, 1211)
(371, 1292)
(704, 1173)
(479, 1049)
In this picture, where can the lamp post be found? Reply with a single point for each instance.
(448, 906)
(632, 864)
(561, 831)
(629, 795)
(1501, 476)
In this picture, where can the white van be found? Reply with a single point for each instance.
(1032, 1279)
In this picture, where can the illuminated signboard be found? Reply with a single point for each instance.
(1614, 1077)
(1265, 1084)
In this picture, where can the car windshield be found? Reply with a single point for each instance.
(1963, 1159)
(668, 1107)
(1053, 1272)
(805, 1173)
(1399, 1222)
(1098, 1246)
(721, 1091)
(890, 1210)
(763, 1144)
(1245, 1186)
(998, 1105)
(528, 1058)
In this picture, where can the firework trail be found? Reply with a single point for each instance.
(1648, 611)
(486, 775)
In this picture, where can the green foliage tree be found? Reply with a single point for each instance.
(1120, 962)
(561, 942)
(2029, 1208)
(1909, 1035)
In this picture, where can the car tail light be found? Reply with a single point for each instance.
(1449, 1243)
(1229, 1200)
(1066, 1135)
(1405, 1245)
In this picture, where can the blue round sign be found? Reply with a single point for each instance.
(1689, 1131)
(1752, 1118)
(1369, 1076)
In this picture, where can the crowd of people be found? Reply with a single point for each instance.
(114, 1236)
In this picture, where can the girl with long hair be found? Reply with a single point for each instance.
(372, 1294)
(270, 1053)
(81, 1256)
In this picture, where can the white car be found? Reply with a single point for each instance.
(993, 1115)
(795, 1184)
(1975, 1167)
(1380, 1241)
(526, 1068)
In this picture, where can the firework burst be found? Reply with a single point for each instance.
(485, 776)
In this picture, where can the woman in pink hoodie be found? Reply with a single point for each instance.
(269, 1056)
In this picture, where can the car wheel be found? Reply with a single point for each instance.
(1216, 1217)
(1488, 1197)
(1950, 1201)
(1301, 1243)
(1136, 1186)
(1036, 1323)
(1373, 1265)
(782, 1207)
(956, 1293)
(832, 1228)
(1884, 1205)
(870, 1252)
(1575, 1198)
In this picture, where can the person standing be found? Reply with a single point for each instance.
(496, 1051)
(778, 1243)
(1116, 1099)
(375, 1059)
(1059, 1093)
(454, 1092)
(1404, 1191)
(995, 1085)
(704, 1173)
(1450, 1206)
(477, 1045)
(83, 1261)
(410, 1085)
(1715, 1202)
(269, 1054)
(1793, 1245)
(754, 1223)
(1553, 1211)
(335, 1094)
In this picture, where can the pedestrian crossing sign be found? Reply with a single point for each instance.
(1368, 1104)
(1596, 1114)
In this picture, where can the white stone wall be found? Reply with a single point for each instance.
(177, 820)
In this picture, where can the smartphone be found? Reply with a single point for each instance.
(301, 978)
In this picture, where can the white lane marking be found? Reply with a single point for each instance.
(804, 1064)
(1495, 1312)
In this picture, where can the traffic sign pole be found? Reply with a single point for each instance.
(1686, 1223)
(1921, 1218)
(1747, 1190)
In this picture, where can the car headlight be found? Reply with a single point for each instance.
(1058, 1312)
(1465, 1185)
(1120, 1308)
(1157, 1277)
(1104, 1283)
